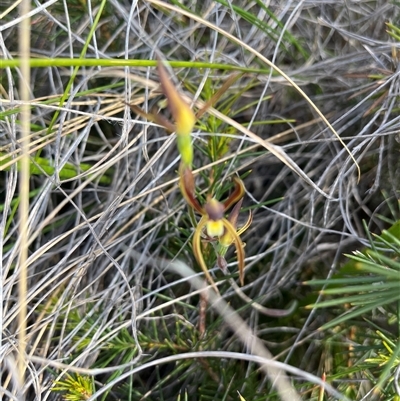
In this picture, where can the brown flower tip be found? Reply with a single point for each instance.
(182, 113)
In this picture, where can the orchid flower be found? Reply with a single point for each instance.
(217, 228)
(213, 222)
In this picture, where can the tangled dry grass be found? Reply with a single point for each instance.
(101, 297)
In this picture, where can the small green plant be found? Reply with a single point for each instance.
(366, 289)
(75, 387)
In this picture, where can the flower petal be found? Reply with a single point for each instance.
(239, 248)
(246, 225)
(182, 113)
(234, 214)
(186, 183)
(198, 253)
(236, 195)
(217, 95)
(226, 240)
(153, 117)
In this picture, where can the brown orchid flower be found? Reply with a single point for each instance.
(213, 222)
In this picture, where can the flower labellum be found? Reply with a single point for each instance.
(215, 211)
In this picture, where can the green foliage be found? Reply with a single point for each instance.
(370, 279)
(366, 289)
(43, 166)
(75, 387)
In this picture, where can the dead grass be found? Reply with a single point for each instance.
(91, 267)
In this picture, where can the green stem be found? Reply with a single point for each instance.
(87, 62)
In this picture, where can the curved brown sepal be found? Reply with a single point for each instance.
(236, 195)
(199, 255)
(186, 182)
(239, 248)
